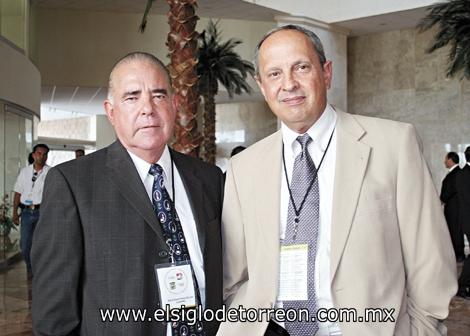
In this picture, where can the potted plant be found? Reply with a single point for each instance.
(6, 222)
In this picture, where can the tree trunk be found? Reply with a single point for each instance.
(182, 45)
(209, 147)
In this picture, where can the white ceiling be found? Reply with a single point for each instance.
(58, 102)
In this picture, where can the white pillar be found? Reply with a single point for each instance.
(334, 41)
(104, 132)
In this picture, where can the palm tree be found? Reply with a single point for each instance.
(218, 63)
(453, 20)
(182, 45)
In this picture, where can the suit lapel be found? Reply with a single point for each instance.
(266, 186)
(124, 176)
(351, 162)
(195, 194)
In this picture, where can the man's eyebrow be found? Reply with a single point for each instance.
(132, 93)
(164, 91)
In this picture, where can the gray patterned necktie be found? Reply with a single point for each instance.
(304, 230)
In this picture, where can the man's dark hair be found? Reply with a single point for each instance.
(41, 146)
(237, 150)
(467, 154)
(80, 151)
(454, 157)
(30, 158)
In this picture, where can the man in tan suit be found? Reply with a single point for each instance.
(332, 212)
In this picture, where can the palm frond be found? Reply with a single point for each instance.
(219, 63)
(452, 20)
(143, 23)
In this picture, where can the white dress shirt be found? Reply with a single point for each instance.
(183, 208)
(31, 191)
(453, 167)
(320, 133)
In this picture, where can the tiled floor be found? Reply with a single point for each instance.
(15, 293)
(15, 317)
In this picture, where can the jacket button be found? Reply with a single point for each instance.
(163, 254)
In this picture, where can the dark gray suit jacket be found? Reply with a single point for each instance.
(98, 239)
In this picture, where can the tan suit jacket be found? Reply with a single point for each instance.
(390, 247)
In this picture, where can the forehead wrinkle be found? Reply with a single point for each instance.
(129, 62)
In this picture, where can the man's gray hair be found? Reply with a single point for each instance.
(136, 56)
(316, 43)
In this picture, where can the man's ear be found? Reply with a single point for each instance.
(109, 108)
(260, 84)
(328, 73)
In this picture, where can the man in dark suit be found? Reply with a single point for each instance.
(113, 218)
(451, 204)
(463, 190)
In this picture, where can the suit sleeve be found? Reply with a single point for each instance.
(427, 251)
(233, 237)
(449, 189)
(57, 256)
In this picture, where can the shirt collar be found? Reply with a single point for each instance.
(453, 167)
(320, 131)
(143, 166)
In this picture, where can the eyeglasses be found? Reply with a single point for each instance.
(35, 177)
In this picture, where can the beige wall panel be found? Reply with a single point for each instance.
(20, 81)
(390, 75)
(78, 48)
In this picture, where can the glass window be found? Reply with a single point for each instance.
(13, 21)
(16, 128)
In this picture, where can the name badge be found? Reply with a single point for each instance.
(293, 284)
(176, 284)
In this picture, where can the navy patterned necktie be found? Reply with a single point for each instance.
(174, 237)
(304, 230)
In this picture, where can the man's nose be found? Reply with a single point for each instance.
(148, 105)
(289, 82)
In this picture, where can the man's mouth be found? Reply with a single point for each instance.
(295, 100)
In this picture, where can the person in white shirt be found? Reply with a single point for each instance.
(28, 196)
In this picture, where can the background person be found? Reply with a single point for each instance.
(450, 199)
(28, 197)
(79, 153)
(463, 191)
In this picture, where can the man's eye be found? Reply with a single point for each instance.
(160, 96)
(130, 98)
(273, 74)
(302, 67)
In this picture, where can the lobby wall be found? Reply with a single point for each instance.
(391, 76)
(80, 47)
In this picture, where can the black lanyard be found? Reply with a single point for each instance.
(297, 211)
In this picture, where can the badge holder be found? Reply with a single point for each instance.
(176, 284)
(293, 273)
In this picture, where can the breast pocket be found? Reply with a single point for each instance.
(369, 206)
